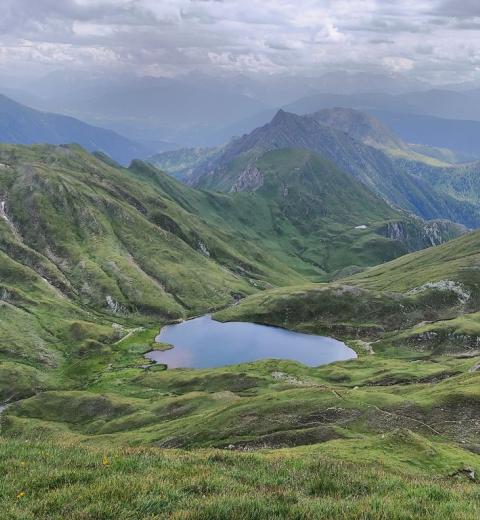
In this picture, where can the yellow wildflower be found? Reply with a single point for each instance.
(105, 461)
(21, 494)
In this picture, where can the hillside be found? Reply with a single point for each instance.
(95, 259)
(86, 245)
(399, 426)
(460, 135)
(22, 125)
(372, 132)
(385, 175)
(406, 317)
(79, 481)
(428, 300)
(440, 119)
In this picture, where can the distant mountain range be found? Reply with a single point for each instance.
(418, 118)
(444, 104)
(197, 109)
(442, 119)
(461, 136)
(23, 125)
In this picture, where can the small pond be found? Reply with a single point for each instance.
(206, 343)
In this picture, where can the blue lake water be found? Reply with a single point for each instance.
(206, 343)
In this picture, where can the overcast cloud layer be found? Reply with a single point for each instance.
(433, 40)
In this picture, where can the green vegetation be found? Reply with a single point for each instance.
(376, 437)
(445, 155)
(42, 480)
(439, 283)
(90, 250)
(388, 168)
(94, 259)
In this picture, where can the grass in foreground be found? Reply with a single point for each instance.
(45, 481)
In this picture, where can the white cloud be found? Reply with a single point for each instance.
(398, 64)
(301, 36)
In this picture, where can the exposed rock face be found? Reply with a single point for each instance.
(428, 233)
(439, 231)
(466, 472)
(203, 248)
(450, 342)
(4, 294)
(396, 231)
(251, 179)
(460, 292)
(4, 216)
(114, 306)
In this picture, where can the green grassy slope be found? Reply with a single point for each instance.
(45, 481)
(415, 323)
(395, 178)
(432, 296)
(456, 261)
(375, 437)
(89, 420)
(149, 244)
(90, 250)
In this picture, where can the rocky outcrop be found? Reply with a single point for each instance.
(458, 289)
(439, 231)
(417, 234)
(446, 342)
(251, 179)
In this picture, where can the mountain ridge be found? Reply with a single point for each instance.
(380, 172)
(20, 124)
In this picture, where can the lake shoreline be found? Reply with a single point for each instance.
(204, 342)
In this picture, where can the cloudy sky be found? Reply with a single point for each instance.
(434, 40)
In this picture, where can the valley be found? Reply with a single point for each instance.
(97, 260)
(239, 260)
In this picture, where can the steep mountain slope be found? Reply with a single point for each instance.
(371, 166)
(22, 125)
(447, 155)
(95, 258)
(317, 199)
(458, 182)
(86, 244)
(372, 132)
(455, 182)
(421, 118)
(456, 261)
(289, 131)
